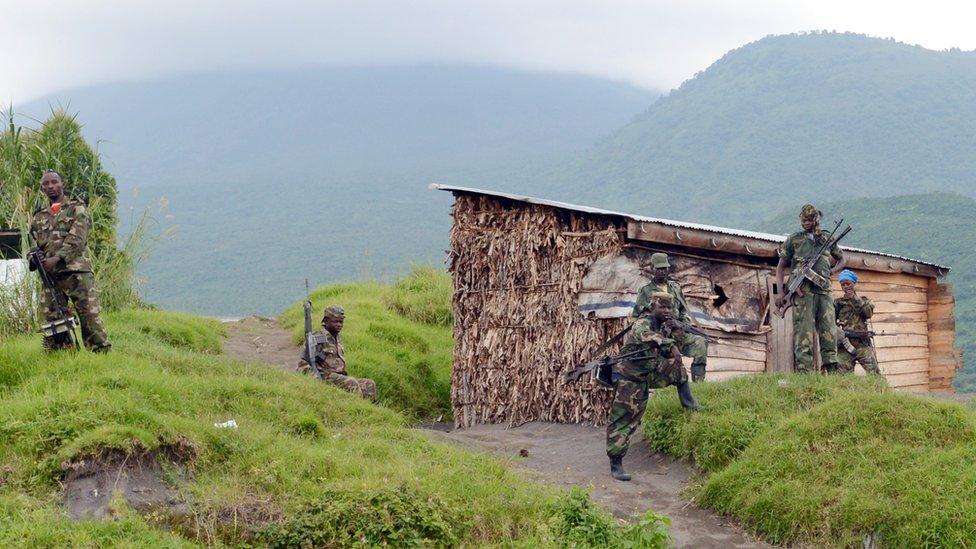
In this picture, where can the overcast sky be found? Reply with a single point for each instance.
(50, 45)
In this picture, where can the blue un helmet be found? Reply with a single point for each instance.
(848, 275)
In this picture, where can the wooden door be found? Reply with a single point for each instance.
(779, 341)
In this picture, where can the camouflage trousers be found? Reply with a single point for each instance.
(863, 354)
(363, 387)
(696, 347)
(632, 383)
(82, 297)
(813, 317)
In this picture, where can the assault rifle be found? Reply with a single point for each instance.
(675, 324)
(604, 367)
(60, 331)
(805, 271)
(309, 352)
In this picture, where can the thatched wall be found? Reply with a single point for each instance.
(517, 270)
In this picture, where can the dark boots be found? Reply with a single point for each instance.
(617, 468)
(698, 372)
(687, 399)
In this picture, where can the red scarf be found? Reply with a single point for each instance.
(56, 208)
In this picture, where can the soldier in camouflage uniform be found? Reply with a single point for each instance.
(691, 345)
(61, 232)
(813, 315)
(331, 359)
(852, 313)
(632, 379)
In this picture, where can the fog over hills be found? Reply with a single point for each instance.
(789, 119)
(275, 176)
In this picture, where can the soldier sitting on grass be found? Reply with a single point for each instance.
(330, 358)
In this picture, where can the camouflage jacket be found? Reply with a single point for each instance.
(648, 334)
(852, 314)
(679, 307)
(328, 350)
(801, 245)
(64, 235)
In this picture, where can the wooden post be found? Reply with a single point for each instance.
(779, 341)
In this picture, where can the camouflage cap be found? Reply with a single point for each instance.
(660, 260)
(809, 211)
(333, 312)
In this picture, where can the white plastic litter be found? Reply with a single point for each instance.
(229, 424)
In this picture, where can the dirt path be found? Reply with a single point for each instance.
(564, 455)
(258, 339)
(574, 455)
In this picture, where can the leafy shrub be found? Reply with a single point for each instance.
(398, 517)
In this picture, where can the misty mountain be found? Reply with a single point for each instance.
(790, 119)
(274, 176)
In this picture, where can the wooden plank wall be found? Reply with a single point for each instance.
(735, 354)
(944, 358)
(901, 306)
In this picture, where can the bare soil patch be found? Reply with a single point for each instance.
(145, 480)
(261, 339)
(575, 455)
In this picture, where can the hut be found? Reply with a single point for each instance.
(538, 285)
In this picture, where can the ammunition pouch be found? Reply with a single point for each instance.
(59, 332)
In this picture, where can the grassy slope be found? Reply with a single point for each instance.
(399, 336)
(825, 460)
(299, 444)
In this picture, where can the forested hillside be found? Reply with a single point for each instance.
(934, 227)
(275, 176)
(789, 119)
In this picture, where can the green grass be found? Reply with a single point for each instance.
(401, 341)
(309, 463)
(827, 460)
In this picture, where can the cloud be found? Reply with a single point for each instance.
(51, 45)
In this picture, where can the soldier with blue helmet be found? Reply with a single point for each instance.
(853, 313)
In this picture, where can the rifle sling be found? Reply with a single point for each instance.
(606, 345)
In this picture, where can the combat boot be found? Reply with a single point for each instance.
(698, 372)
(617, 468)
(687, 399)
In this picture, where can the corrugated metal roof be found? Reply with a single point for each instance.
(669, 222)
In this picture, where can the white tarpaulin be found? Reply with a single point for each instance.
(610, 287)
(12, 271)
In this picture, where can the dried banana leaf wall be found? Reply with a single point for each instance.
(517, 270)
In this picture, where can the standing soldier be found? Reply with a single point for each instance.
(691, 345)
(61, 233)
(330, 358)
(852, 313)
(659, 365)
(813, 315)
